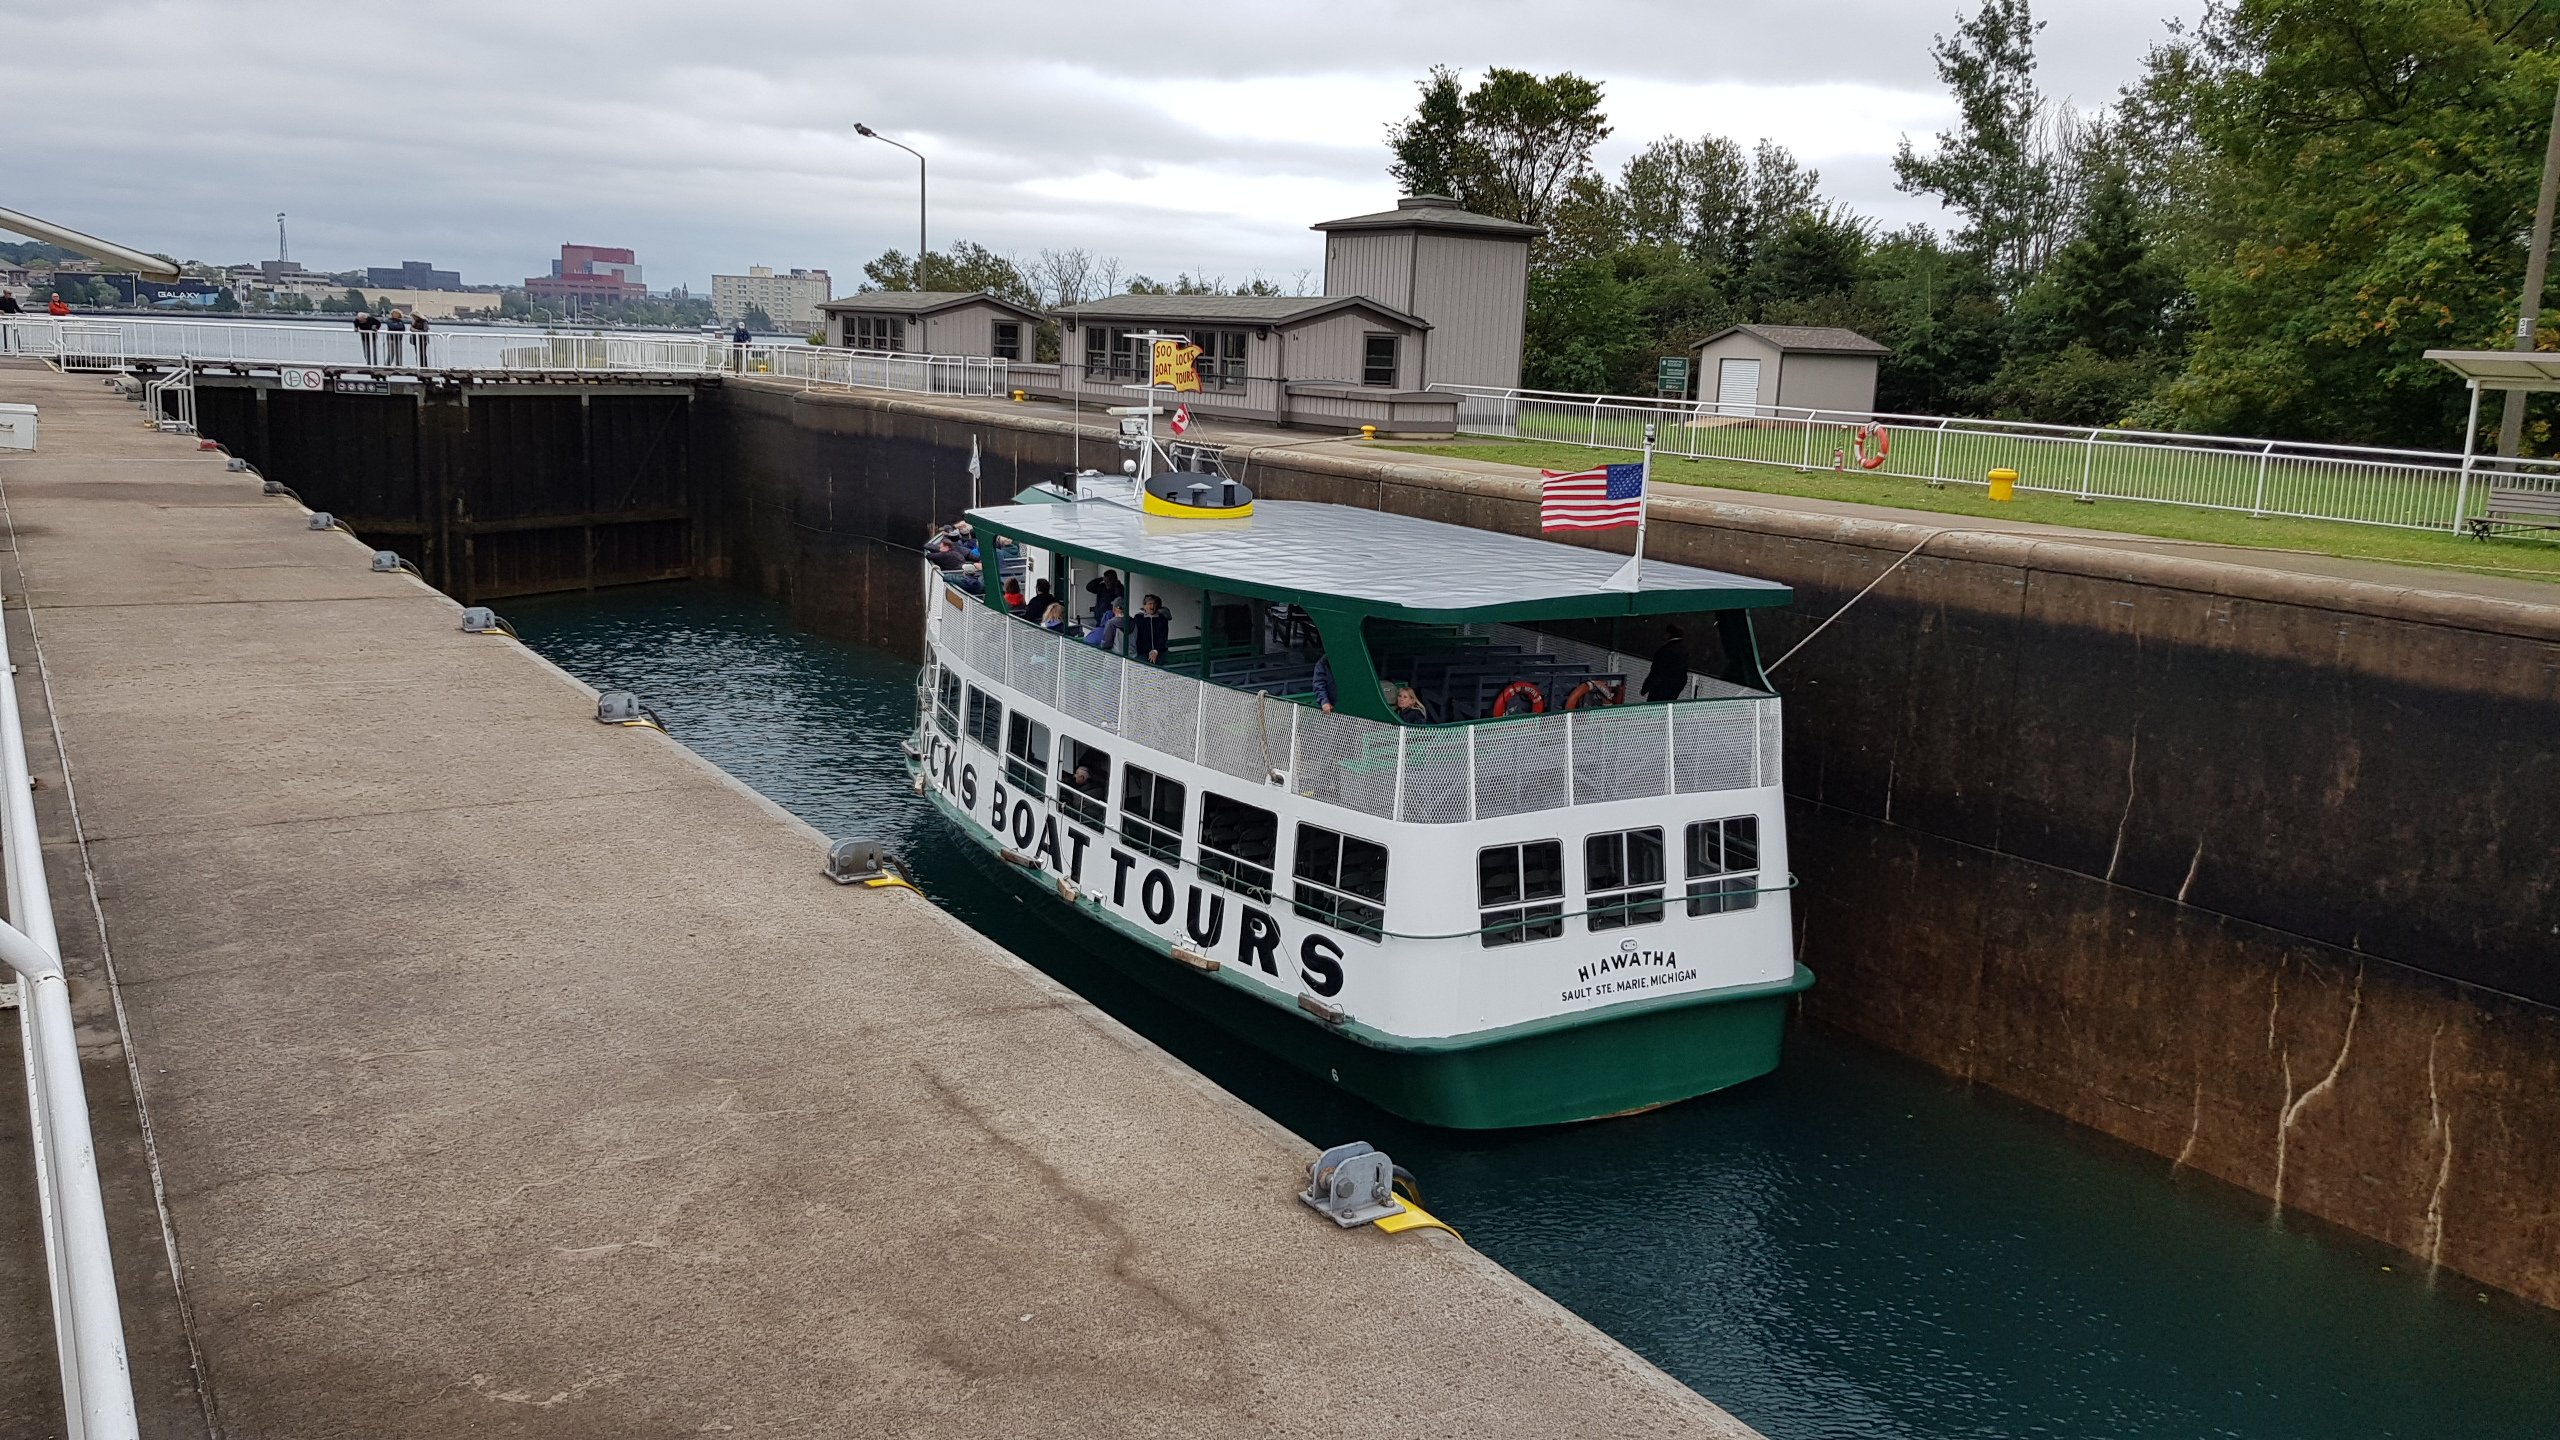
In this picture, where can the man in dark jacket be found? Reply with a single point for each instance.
(1149, 630)
(1106, 591)
(1670, 673)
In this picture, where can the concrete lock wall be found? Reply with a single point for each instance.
(2250, 869)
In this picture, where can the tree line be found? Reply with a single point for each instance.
(2262, 235)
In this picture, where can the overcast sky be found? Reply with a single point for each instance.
(1188, 136)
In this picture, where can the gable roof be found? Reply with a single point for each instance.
(1251, 309)
(1435, 212)
(1817, 339)
(922, 302)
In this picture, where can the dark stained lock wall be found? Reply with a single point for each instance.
(494, 490)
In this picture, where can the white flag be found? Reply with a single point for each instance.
(973, 459)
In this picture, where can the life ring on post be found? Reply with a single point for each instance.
(1880, 437)
(1520, 692)
(1596, 692)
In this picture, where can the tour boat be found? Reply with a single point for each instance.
(1538, 899)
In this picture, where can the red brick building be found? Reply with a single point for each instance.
(589, 272)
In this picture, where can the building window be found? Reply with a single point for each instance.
(1239, 844)
(1112, 354)
(1622, 878)
(986, 718)
(1378, 361)
(1026, 755)
(946, 703)
(1151, 814)
(1221, 362)
(1008, 344)
(1342, 882)
(875, 332)
(1511, 883)
(1084, 784)
(1724, 865)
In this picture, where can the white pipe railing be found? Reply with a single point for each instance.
(2358, 484)
(119, 345)
(88, 1322)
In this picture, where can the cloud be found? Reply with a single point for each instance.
(1177, 136)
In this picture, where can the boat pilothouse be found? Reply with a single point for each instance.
(1380, 793)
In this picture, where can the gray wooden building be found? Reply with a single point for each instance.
(933, 322)
(1752, 369)
(1280, 359)
(1464, 273)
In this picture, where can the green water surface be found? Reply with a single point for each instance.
(1855, 1248)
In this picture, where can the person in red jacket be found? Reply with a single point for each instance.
(55, 308)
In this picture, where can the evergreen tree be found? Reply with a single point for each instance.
(1990, 168)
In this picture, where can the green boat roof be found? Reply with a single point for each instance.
(1339, 557)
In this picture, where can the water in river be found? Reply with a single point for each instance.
(1855, 1248)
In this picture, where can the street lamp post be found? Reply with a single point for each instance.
(868, 133)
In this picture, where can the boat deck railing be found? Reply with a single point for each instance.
(1426, 774)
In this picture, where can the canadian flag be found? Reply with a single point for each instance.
(1181, 418)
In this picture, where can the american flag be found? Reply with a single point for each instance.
(1597, 499)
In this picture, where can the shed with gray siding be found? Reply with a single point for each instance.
(1281, 359)
(933, 322)
(1753, 369)
(1464, 273)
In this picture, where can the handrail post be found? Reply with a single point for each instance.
(2470, 448)
(1937, 456)
(2258, 505)
(1806, 463)
(2088, 460)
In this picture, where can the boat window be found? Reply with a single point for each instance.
(1342, 881)
(1026, 755)
(1724, 865)
(1084, 784)
(946, 703)
(1151, 814)
(986, 718)
(1622, 878)
(1378, 360)
(1510, 880)
(1239, 843)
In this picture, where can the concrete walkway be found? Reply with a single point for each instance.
(512, 1075)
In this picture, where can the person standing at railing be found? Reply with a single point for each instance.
(418, 338)
(8, 309)
(369, 335)
(739, 339)
(1670, 673)
(55, 308)
(1107, 591)
(395, 334)
(1150, 630)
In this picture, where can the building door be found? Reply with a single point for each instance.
(1737, 386)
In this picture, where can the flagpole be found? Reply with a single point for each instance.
(1644, 506)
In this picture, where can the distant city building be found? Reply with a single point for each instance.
(790, 301)
(411, 275)
(276, 272)
(589, 272)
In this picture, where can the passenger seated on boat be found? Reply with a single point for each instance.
(1670, 673)
(1013, 595)
(1107, 592)
(1042, 597)
(1407, 705)
(1150, 630)
(1053, 617)
(1104, 634)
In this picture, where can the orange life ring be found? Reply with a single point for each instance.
(1604, 692)
(1520, 690)
(1883, 441)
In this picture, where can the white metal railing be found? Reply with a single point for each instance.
(119, 345)
(1728, 739)
(169, 398)
(2369, 485)
(88, 1323)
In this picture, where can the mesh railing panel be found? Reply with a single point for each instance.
(1523, 765)
(1243, 735)
(1161, 710)
(1715, 746)
(1034, 664)
(1344, 760)
(1089, 685)
(1437, 785)
(1621, 754)
(1773, 734)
